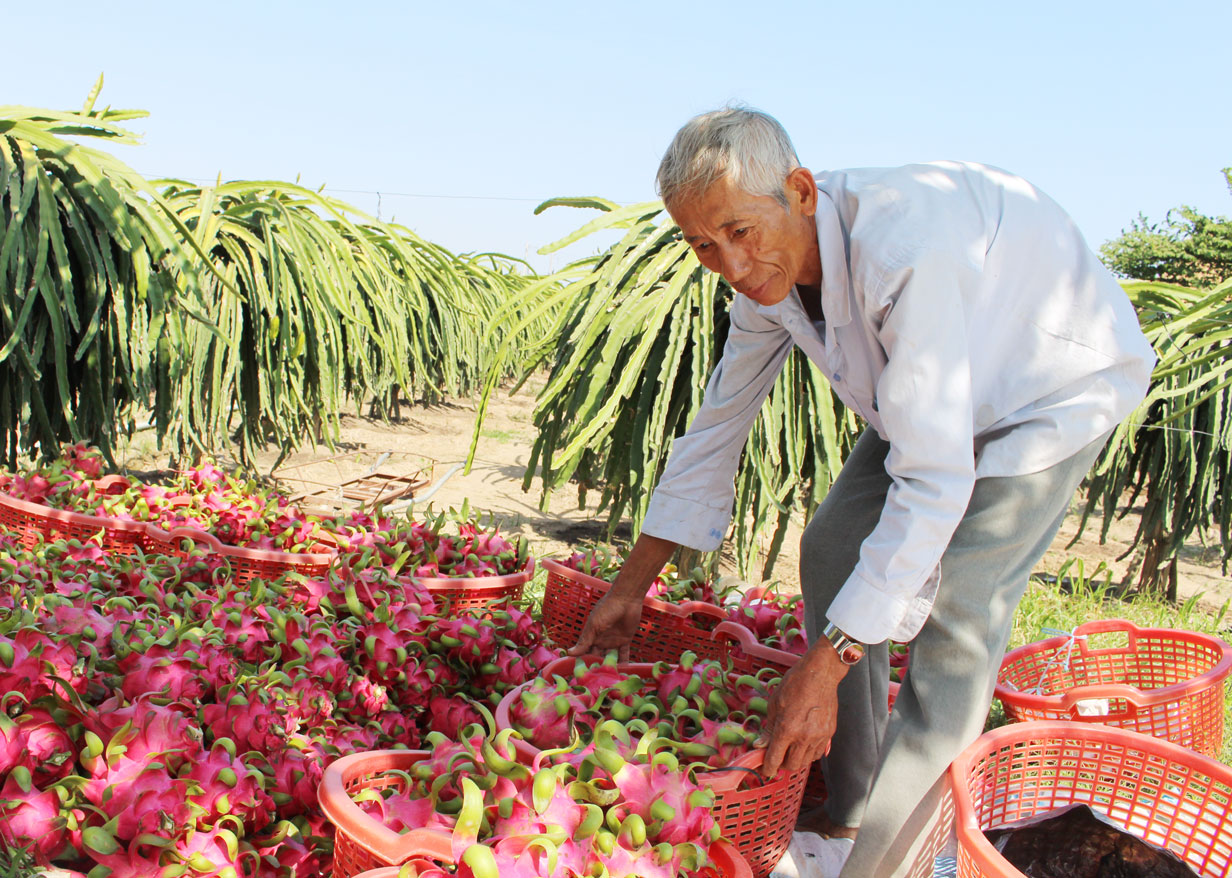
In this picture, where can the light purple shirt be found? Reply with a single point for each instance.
(967, 322)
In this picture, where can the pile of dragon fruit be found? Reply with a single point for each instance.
(776, 619)
(161, 715)
(698, 708)
(160, 719)
(239, 512)
(623, 804)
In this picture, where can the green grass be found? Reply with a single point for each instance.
(1079, 596)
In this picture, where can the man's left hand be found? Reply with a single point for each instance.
(803, 711)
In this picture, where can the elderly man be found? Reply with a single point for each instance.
(957, 310)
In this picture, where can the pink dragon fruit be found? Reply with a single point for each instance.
(31, 817)
(162, 673)
(222, 784)
(450, 714)
(35, 741)
(145, 731)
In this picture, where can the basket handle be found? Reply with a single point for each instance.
(196, 535)
(725, 780)
(686, 609)
(1135, 698)
(366, 831)
(750, 646)
(1107, 626)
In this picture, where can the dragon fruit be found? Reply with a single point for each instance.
(222, 784)
(34, 740)
(549, 817)
(30, 817)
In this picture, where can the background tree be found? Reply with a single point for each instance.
(1187, 248)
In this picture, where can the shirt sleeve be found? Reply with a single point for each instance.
(924, 399)
(692, 503)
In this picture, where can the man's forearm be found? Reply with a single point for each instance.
(645, 562)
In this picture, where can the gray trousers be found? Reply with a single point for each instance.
(885, 771)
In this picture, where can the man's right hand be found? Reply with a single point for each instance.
(615, 618)
(611, 625)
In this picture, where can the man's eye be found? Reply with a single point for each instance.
(741, 232)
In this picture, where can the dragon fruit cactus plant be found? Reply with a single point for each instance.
(636, 812)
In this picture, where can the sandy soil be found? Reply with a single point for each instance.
(430, 444)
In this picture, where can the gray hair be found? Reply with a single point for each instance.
(746, 145)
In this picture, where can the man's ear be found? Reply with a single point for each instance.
(801, 190)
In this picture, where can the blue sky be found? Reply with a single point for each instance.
(464, 116)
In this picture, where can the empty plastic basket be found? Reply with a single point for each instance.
(1159, 681)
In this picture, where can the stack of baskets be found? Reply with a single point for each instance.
(1124, 719)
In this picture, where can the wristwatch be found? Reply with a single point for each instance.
(849, 651)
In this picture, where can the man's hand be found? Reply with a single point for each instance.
(611, 625)
(803, 711)
(614, 619)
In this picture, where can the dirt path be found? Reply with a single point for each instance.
(434, 440)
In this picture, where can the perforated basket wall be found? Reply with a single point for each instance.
(1158, 681)
(246, 564)
(666, 631)
(1157, 790)
(477, 592)
(760, 819)
(36, 523)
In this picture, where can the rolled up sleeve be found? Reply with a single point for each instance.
(924, 399)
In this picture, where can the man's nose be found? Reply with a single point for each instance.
(733, 264)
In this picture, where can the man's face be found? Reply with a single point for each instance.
(761, 248)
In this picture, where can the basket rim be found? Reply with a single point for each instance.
(1064, 701)
(394, 848)
(502, 580)
(971, 834)
(66, 516)
(365, 831)
(243, 553)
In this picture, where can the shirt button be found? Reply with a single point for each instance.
(838, 377)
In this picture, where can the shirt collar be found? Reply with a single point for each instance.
(835, 301)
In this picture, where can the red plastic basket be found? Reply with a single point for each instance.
(1158, 681)
(758, 820)
(246, 564)
(361, 843)
(1157, 790)
(474, 593)
(667, 630)
(37, 523)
